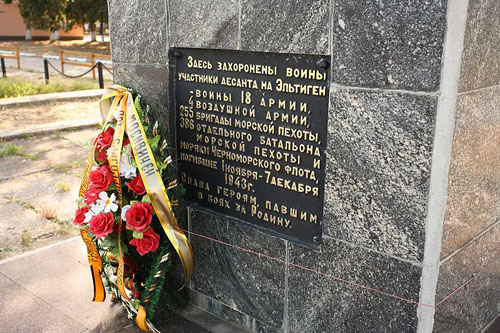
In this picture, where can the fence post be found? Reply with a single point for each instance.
(18, 57)
(101, 77)
(46, 70)
(92, 63)
(4, 72)
(61, 56)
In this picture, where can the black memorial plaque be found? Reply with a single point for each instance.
(251, 136)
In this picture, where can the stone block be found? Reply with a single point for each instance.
(378, 168)
(480, 58)
(285, 26)
(388, 44)
(242, 281)
(151, 82)
(212, 24)
(473, 307)
(317, 303)
(473, 202)
(138, 31)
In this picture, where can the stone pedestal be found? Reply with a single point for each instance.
(412, 194)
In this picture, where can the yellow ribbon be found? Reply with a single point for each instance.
(129, 121)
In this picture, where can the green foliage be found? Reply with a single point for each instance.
(79, 12)
(43, 14)
(15, 87)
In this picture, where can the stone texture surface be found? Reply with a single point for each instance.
(240, 280)
(473, 202)
(22, 311)
(388, 44)
(471, 308)
(480, 58)
(377, 173)
(223, 311)
(15, 166)
(151, 82)
(138, 31)
(317, 303)
(285, 26)
(204, 24)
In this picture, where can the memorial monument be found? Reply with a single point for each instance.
(340, 157)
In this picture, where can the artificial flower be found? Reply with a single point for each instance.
(124, 212)
(105, 139)
(126, 169)
(90, 196)
(100, 179)
(148, 243)
(102, 156)
(106, 203)
(80, 216)
(101, 225)
(137, 186)
(93, 211)
(139, 216)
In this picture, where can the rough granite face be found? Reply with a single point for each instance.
(471, 308)
(378, 168)
(318, 303)
(204, 23)
(138, 31)
(151, 82)
(473, 202)
(481, 57)
(240, 280)
(388, 44)
(285, 26)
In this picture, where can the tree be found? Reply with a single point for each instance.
(87, 11)
(42, 14)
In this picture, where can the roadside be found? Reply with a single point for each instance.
(39, 180)
(40, 47)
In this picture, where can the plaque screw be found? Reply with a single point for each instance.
(177, 54)
(324, 64)
(316, 240)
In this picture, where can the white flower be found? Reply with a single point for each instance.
(107, 204)
(127, 170)
(124, 211)
(94, 210)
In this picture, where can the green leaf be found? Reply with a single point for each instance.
(112, 187)
(146, 198)
(137, 235)
(133, 202)
(153, 142)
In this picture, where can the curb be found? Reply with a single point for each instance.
(50, 128)
(62, 96)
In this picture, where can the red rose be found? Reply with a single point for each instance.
(148, 243)
(126, 142)
(102, 225)
(102, 156)
(105, 139)
(138, 216)
(90, 197)
(80, 216)
(137, 186)
(100, 179)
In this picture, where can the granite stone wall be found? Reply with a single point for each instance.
(386, 63)
(471, 235)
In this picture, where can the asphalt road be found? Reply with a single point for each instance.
(36, 64)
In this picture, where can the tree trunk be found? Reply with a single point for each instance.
(28, 31)
(52, 35)
(57, 34)
(101, 31)
(92, 28)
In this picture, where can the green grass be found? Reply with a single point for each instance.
(16, 87)
(16, 150)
